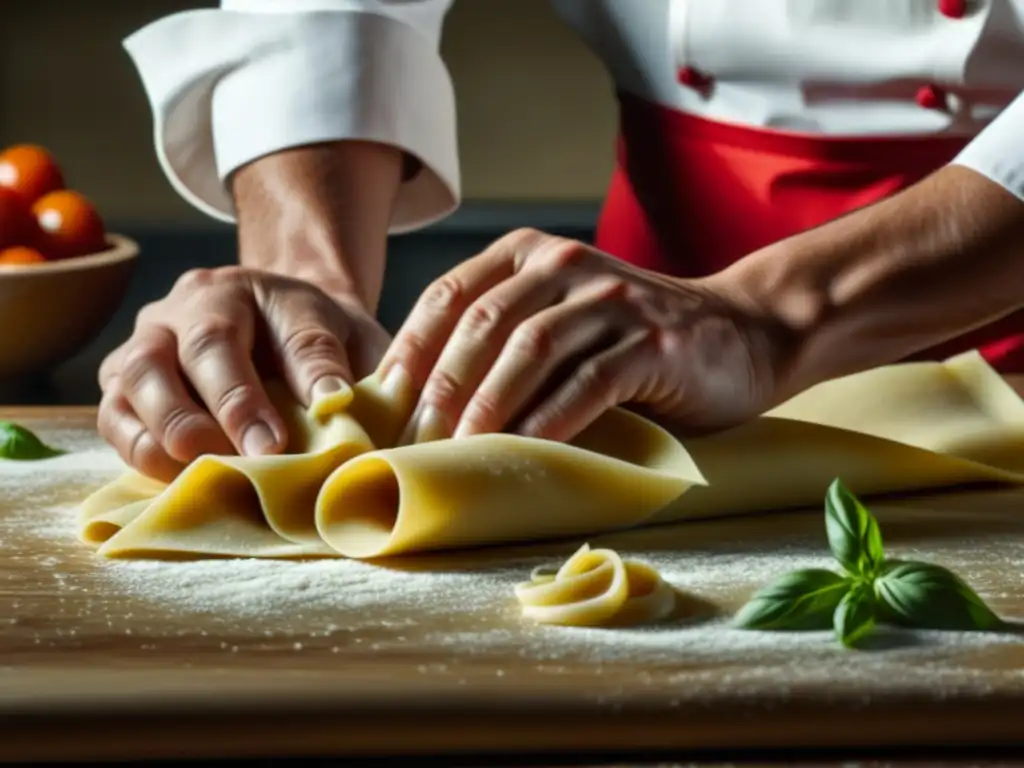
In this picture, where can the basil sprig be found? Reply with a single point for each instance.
(870, 590)
(19, 444)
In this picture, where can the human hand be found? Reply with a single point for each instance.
(540, 335)
(188, 380)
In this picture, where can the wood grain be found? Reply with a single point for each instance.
(86, 671)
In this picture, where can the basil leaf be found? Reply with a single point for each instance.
(800, 600)
(855, 616)
(19, 444)
(853, 533)
(928, 596)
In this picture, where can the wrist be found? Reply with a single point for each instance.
(937, 260)
(321, 214)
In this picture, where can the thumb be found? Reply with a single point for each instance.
(311, 350)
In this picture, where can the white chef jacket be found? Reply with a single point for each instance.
(230, 85)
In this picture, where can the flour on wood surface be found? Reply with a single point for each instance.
(462, 612)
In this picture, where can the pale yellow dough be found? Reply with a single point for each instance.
(597, 587)
(344, 490)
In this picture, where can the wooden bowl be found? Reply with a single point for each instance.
(50, 312)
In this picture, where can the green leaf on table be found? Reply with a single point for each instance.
(20, 444)
(854, 618)
(927, 596)
(800, 600)
(853, 533)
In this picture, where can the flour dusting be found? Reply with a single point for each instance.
(463, 608)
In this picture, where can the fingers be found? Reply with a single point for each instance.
(215, 353)
(121, 427)
(309, 343)
(425, 332)
(537, 350)
(598, 384)
(493, 322)
(151, 384)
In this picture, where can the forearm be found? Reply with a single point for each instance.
(939, 259)
(320, 213)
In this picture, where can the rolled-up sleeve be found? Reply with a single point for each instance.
(998, 151)
(228, 86)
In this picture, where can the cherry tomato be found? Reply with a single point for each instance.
(20, 254)
(17, 224)
(30, 171)
(70, 225)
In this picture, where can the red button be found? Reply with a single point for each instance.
(931, 97)
(693, 78)
(954, 9)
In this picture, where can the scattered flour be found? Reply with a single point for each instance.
(462, 608)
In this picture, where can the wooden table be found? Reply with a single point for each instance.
(94, 666)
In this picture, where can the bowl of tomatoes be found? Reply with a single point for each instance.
(62, 274)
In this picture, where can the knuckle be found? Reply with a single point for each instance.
(149, 314)
(666, 344)
(203, 336)
(442, 389)
(532, 340)
(617, 289)
(205, 277)
(485, 408)
(195, 279)
(236, 405)
(443, 294)
(106, 419)
(312, 343)
(408, 345)
(230, 272)
(410, 349)
(524, 235)
(482, 318)
(594, 377)
(140, 359)
(145, 454)
(175, 425)
(107, 375)
(562, 255)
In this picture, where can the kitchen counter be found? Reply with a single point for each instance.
(428, 656)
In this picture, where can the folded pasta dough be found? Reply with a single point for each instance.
(345, 489)
(491, 488)
(336, 493)
(231, 505)
(905, 427)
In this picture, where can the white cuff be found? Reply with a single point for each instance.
(998, 151)
(227, 88)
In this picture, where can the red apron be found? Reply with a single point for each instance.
(689, 196)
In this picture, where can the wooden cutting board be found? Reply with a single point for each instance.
(109, 660)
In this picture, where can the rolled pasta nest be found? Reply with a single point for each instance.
(596, 587)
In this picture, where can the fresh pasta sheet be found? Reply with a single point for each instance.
(344, 488)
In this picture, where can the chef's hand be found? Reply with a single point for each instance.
(188, 381)
(540, 335)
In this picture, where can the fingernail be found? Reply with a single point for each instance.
(431, 426)
(397, 382)
(258, 440)
(408, 436)
(328, 385)
(464, 429)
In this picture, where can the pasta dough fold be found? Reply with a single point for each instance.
(336, 493)
(345, 489)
